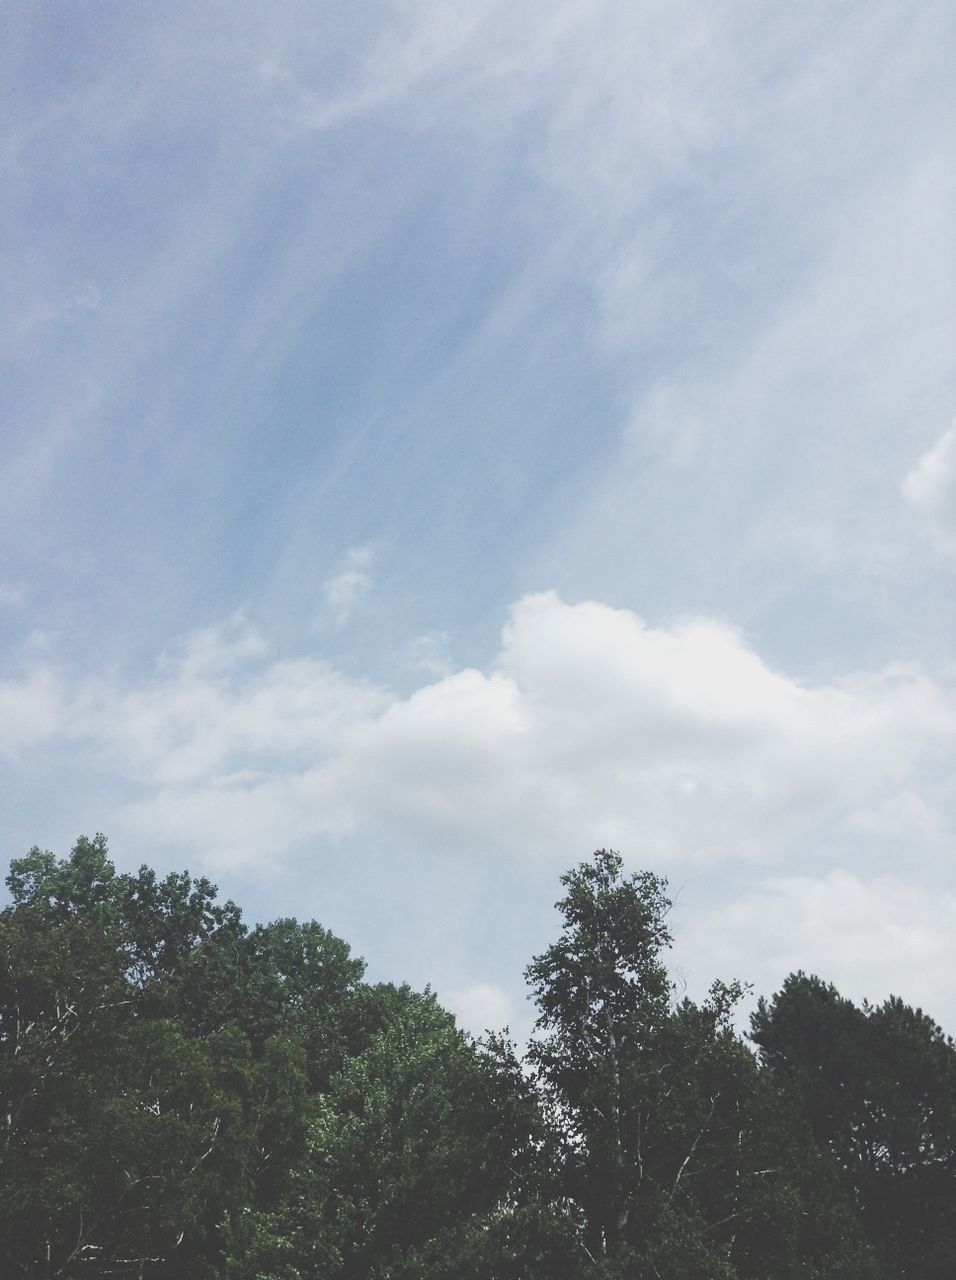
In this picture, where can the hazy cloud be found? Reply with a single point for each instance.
(12, 594)
(429, 652)
(871, 937)
(931, 489)
(32, 710)
(481, 1007)
(351, 583)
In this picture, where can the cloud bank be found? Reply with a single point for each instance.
(678, 744)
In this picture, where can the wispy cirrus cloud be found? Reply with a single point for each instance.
(650, 303)
(742, 217)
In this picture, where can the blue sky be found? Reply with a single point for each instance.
(441, 439)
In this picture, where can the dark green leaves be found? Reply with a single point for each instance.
(185, 1098)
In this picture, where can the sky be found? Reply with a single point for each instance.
(441, 439)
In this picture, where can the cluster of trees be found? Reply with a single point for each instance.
(183, 1097)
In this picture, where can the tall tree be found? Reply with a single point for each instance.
(681, 1153)
(647, 1094)
(603, 997)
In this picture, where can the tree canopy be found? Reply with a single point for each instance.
(183, 1095)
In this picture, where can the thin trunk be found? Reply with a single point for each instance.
(693, 1147)
(623, 1208)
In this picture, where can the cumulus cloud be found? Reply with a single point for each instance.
(183, 730)
(351, 582)
(930, 488)
(678, 744)
(594, 728)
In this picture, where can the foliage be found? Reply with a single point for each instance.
(877, 1086)
(186, 1097)
(154, 1062)
(672, 1144)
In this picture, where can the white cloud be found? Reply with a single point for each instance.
(871, 937)
(240, 819)
(931, 489)
(481, 1007)
(351, 583)
(32, 711)
(429, 652)
(222, 714)
(678, 745)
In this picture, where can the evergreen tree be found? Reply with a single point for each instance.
(877, 1085)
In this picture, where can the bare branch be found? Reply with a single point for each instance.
(693, 1147)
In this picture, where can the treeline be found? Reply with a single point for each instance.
(183, 1097)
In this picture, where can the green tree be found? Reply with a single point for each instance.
(681, 1153)
(184, 1098)
(603, 997)
(119, 1126)
(877, 1085)
(647, 1095)
(411, 1152)
(156, 1062)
